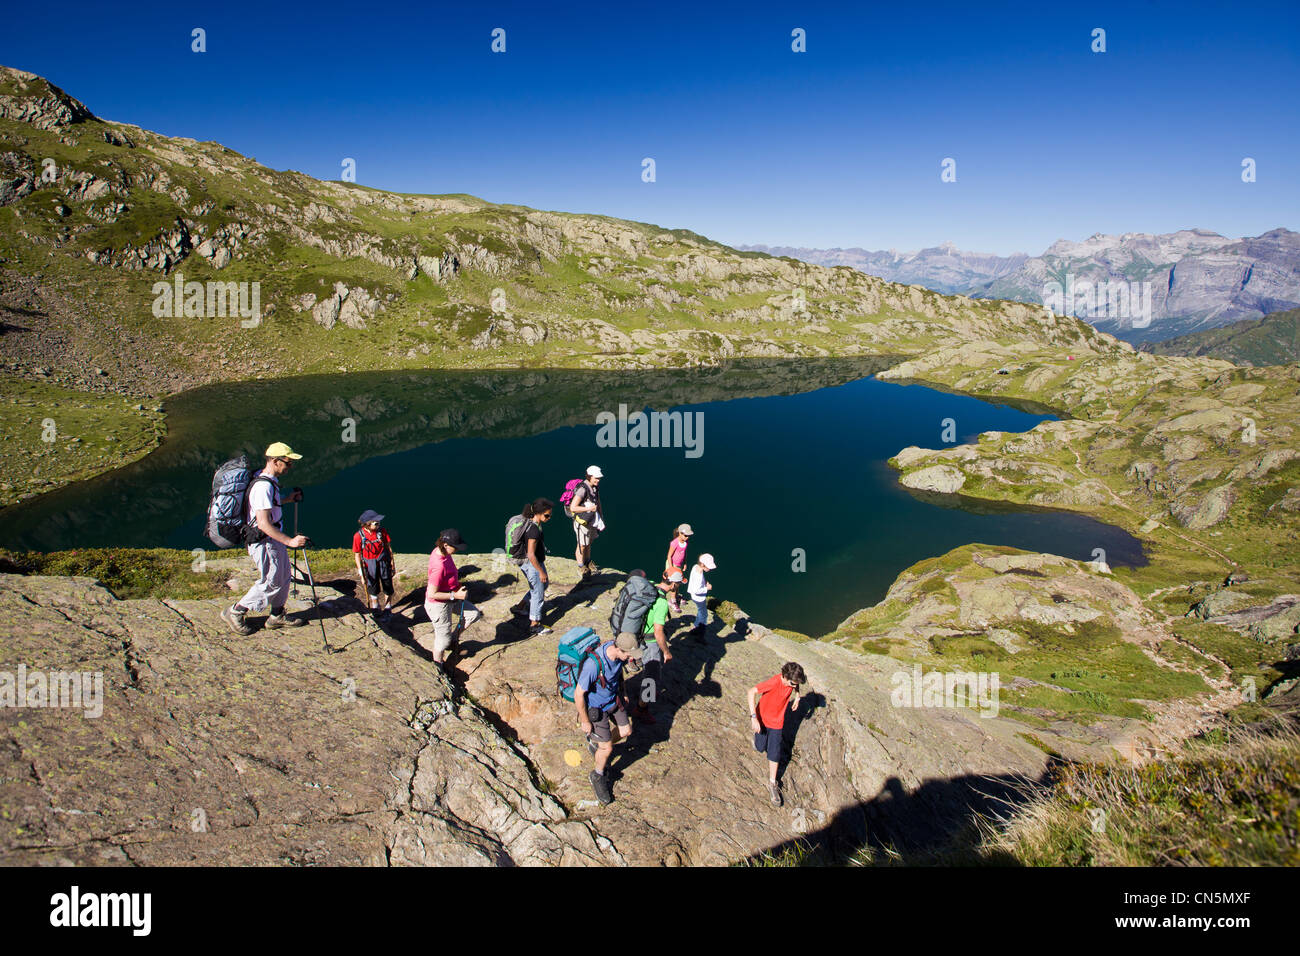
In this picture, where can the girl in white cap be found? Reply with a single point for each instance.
(699, 590)
(676, 560)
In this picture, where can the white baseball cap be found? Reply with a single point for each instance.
(707, 561)
(685, 529)
(594, 472)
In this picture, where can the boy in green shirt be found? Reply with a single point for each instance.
(656, 651)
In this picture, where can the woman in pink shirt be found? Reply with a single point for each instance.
(676, 560)
(444, 589)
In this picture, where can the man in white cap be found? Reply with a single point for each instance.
(588, 520)
(268, 545)
(699, 590)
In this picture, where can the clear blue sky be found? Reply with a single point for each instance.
(838, 146)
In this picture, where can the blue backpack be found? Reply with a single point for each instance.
(228, 522)
(576, 646)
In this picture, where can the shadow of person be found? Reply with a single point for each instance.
(678, 683)
(808, 703)
(933, 824)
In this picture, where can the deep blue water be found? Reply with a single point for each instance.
(778, 473)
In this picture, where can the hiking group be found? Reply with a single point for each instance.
(246, 508)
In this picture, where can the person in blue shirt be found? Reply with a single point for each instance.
(599, 695)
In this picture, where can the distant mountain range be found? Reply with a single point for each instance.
(1137, 286)
(1272, 340)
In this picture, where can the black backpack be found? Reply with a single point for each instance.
(228, 522)
(632, 605)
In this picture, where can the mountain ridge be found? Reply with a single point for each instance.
(1198, 278)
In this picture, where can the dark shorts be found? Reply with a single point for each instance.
(768, 740)
(600, 728)
(377, 572)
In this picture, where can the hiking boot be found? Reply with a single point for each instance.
(774, 792)
(277, 621)
(539, 630)
(236, 620)
(600, 784)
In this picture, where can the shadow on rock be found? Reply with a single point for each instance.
(936, 824)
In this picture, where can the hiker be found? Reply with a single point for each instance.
(268, 545)
(698, 588)
(599, 695)
(443, 589)
(656, 653)
(528, 550)
(676, 560)
(768, 719)
(588, 518)
(372, 547)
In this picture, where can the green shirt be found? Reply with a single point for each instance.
(658, 614)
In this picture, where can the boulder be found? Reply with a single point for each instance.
(1199, 513)
(943, 479)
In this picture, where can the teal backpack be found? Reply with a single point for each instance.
(576, 646)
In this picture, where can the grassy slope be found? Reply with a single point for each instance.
(90, 434)
(1271, 340)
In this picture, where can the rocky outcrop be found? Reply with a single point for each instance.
(350, 306)
(943, 479)
(213, 748)
(31, 99)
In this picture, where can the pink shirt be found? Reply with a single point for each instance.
(443, 576)
(678, 551)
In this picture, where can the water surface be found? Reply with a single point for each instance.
(794, 457)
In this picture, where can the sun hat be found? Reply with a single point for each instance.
(708, 562)
(593, 471)
(685, 529)
(628, 642)
(280, 450)
(369, 515)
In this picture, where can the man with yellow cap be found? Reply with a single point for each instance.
(268, 545)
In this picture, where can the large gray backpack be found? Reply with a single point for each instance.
(632, 605)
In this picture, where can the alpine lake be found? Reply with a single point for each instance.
(779, 466)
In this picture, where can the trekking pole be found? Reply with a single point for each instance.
(293, 579)
(311, 580)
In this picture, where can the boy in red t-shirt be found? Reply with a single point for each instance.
(768, 718)
(373, 550)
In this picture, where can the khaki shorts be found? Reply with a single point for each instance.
(442, 614)
(585, 533)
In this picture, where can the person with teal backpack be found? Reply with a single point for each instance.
(598, 696)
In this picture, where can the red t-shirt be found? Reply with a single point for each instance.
(371, 547)
(771, 706)
(443, 576)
